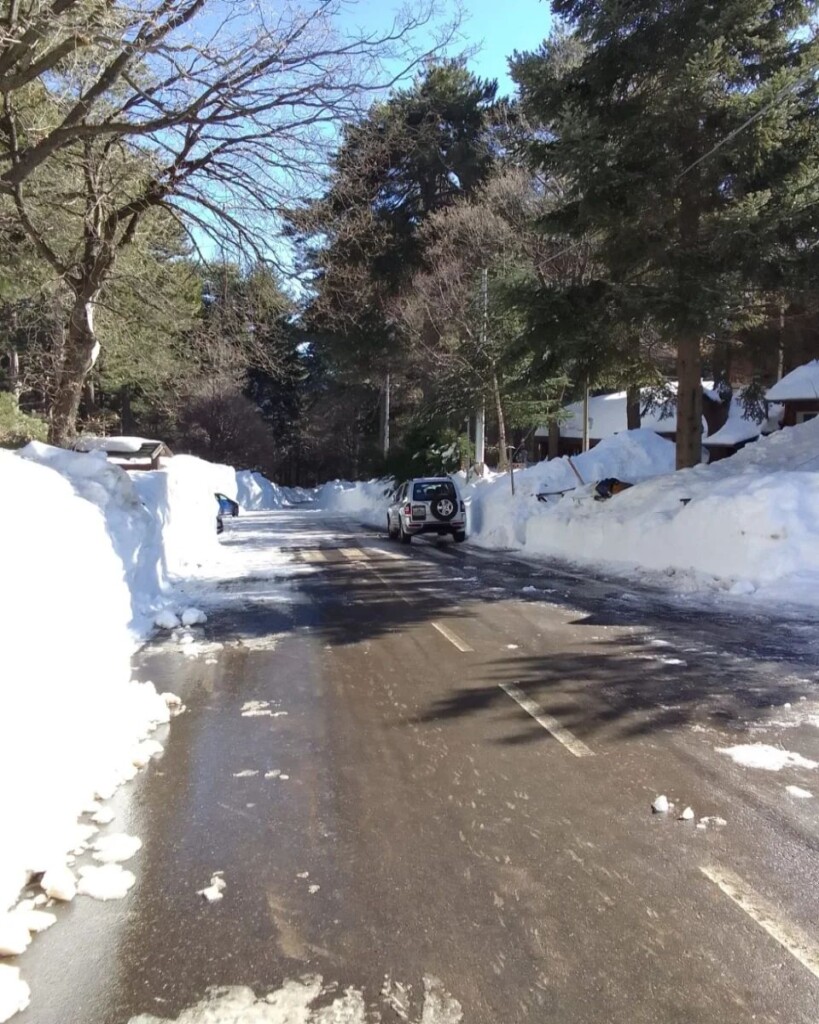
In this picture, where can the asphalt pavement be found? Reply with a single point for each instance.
(427, 775)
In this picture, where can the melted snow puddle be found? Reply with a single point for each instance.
(294, 1003)
(762, 755)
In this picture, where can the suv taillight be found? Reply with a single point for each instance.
(408, 510)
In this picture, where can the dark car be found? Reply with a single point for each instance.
(227, 506)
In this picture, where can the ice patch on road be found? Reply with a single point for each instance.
(294, 1003)
(762, 755)
(797, 791)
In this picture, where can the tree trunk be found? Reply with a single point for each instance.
(14, 375)
(633, 417)
(503, 460)
(80, 353)
(385, 418)
(689, 402)
(554, 439)
(126, 418)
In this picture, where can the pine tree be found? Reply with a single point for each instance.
(683, 133)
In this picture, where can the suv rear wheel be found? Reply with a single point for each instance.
(460, 536)
(392, 534)
(403, 536)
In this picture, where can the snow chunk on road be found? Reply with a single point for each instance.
(14, 936)
(215, 890)
(104, 816)
(762, 755)
(108, 882)
(116, 848)
(35, 920)
(193, 617)
(167, 619)
(14, 992)
(59, 884)
(144, 752)
(799, 793)
(660, 805)
(687, 815)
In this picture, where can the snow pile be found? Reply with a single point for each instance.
(366, 500)
(70, 716)
(133, 529)
(497, 519)
(181, 496)
(752, 518)
(256, 493)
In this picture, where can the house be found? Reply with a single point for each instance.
(136, 453)
(607, 416)
(798, 392)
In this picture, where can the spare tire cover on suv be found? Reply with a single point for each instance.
(444, 508)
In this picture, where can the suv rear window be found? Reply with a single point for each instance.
(431, 490)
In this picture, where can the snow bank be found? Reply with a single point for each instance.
(366, 500)
(181, 498)
(753, 517)
(496, 519)
(69, 713)
(255, 493)
(133, 529)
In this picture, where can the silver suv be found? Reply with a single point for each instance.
(426, 505)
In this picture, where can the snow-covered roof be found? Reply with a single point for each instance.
(741, 427)
(607, 414)
(120, 445)
(800, 384)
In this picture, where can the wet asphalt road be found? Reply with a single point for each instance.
(408, 818)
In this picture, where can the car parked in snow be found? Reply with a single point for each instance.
(227, 506)
(426, 505)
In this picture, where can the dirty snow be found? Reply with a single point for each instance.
(762, 755)
(295, 1003)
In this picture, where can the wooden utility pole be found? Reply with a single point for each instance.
(586, 417)
(386, 417)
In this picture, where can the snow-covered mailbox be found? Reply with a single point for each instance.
(798, 392)
(128, 452)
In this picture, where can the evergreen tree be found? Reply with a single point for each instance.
(683, 132)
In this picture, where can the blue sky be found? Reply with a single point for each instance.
(499, 27)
